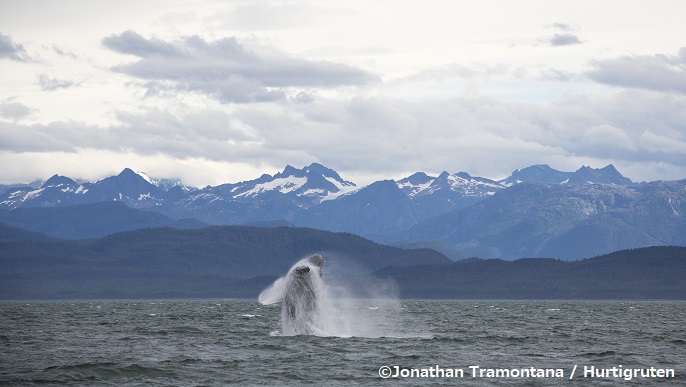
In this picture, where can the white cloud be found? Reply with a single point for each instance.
(95, 164)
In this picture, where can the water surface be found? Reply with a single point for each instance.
(220, 342)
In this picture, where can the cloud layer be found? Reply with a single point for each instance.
(218, 92)
(391, 136)
(226, 69)
(660, 72)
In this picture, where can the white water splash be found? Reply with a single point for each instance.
(312, 306)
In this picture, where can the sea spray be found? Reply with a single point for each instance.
(312, 305)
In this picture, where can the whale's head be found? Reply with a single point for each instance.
(313, 264)
(298, 280)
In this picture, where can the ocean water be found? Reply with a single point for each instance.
(232, 342)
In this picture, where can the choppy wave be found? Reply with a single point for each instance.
(187, 343)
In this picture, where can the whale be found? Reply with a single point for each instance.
(299, 293)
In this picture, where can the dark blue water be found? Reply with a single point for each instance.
(220, 342)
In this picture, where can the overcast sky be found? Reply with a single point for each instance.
(223, 91)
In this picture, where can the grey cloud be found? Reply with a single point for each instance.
(11, 50)
(65, 53)
(566, 39)
(209, 134)
(226, 69)
(14, 110)
(652, 72)
(613, 127)
(55, 136)
(129, 42)
(302, 97)
(51, 84)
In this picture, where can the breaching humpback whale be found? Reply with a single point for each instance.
(299, 292)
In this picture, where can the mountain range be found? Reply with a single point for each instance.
(536, 212)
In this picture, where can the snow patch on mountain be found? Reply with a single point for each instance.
(145, 196)
(413, 189)
(473, 186)
(283, 185)
(342, 185)
(146, 177)
(343, 191)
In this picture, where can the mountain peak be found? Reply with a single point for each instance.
(322, 170)
(537, 173)
(57, 180)
(289, 171)
(607, 175)
(542, 173)
(444, 175)
(127, 171)
(317, 167)
(416, 178)
(317, 174)
(129, 175)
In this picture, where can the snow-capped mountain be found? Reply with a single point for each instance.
(437, 195)
(308, 186)
(134, 189)
(537, 211)
(166, 184)
(281, 196)
(420, 184)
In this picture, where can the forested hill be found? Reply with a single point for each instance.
(218, 261)
(233, 261)
(645, 273)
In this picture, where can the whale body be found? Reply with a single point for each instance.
(299, 293)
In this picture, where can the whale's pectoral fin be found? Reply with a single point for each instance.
(302, 269)
(273, 294)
